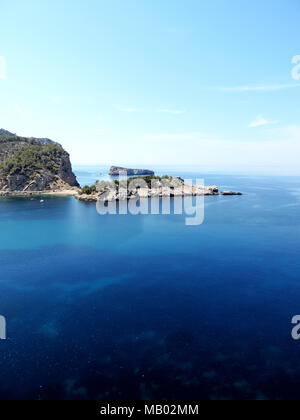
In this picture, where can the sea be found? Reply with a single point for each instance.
(142, 307)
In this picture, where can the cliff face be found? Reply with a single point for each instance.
(30, 164)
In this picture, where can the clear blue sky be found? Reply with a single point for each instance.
(155, 81)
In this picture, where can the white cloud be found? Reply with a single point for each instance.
(260, 121)
(265, 88)
(171, 111)
(2, 68)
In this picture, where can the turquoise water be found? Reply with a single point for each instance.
(139, 307)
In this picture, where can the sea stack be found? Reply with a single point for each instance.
(117, 170)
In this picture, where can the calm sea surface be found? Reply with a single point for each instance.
(145, 307)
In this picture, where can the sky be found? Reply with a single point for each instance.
(156, 82)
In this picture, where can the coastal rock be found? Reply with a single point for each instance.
(117, 170)
(87, 198)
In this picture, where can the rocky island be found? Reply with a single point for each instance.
(33, 165)
(118, 170)
(146, 187)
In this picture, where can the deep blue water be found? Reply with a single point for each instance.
(140, 307)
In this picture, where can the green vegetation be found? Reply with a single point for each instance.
(133, 182)
(11, 139)
(148, 179)
(88, 190)
(31, 159)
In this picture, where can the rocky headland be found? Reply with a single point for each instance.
(33, 165)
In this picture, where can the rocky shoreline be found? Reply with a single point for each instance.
(110, 196)
(24, 194)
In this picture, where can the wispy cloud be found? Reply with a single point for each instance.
(171, 111)
(262, 88)
(2, 68)
(127, 109)
(260, 121)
